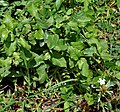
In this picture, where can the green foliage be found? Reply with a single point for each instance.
(52, 41)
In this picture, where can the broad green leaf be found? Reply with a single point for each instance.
(106, 56)
(89, 98)
(47, 56)
(9, 22)
(6, 62)
(50, 21)
(58, 3)
(82, 64)
(4, 72)
(52, 41)
(11, 48)
(4, 35)
(104, 45)
(58, 60)
(27, 57)
(39, 60)
(94, 41)
(43, 23)
(74, 53)
(67, 106)
(90, 51)
(32, 9)
(117, 76)
(82, 18)
(26, 29)
(24, 43)
(31, 39)
(60, 45)
(39, 35)
(69, 12)
(85, 69)
(17, 59)
(78, 45)
(41, 71)
(73, 25)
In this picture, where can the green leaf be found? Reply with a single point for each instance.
(71, 63)
(39, 59)
(17, 59)
(4, 72)
(50, 21)
(11, 48)
(43, 23)
(39, 35)
(118, 63)
(82, 18)
(78, 45)
(60, 45)
(5, 62)
(74, 53)
(89, 98)
(42, 73)
(73, 24)
(67, 106)
(85, 69)
(86, 4)
(58, 3)
(82, 64)
(94, 41)
(117, 76)
(24, 43)
(8, 21)
(58, 60)
(47, 56)
(90, 51)
(104, 45)
(52, 41)
(32, 9)
(70, 11)
(4, 35)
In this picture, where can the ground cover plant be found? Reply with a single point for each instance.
(60, 55)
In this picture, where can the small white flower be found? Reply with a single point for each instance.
(101, 81)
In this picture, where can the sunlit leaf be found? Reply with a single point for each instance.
(24, 43)
(117, 76)
(39, 34)
(58, 3)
